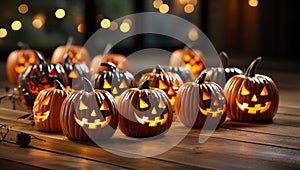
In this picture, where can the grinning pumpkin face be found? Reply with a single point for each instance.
(78, 54)
(41, 110)
(24, 61)
(212, 102)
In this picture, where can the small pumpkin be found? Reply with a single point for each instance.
(37, 77)
(251, 97)
(118, 59)
(79, 54)
(200, 100)
(189, 58)
(47, 105)
(182, 72)
(144, 111)
(18, 60)
(113, 80)
(221, 75)
(166, 81)
(89, 114)
(74, 71)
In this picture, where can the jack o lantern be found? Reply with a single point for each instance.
(118, 59)
(89, 114)
(78, 53)
(196, 101)
(189, 58)
(47, 105)
(251, 97)
(18, 60)
(144, 111)
(113, 80)
(222, 74)
(74, 71)
(166, 81)
(35, 78)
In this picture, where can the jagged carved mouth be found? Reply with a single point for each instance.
(152, 123)
(214, 113)
(92, 125)
(256, 108)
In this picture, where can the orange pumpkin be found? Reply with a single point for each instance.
(118, 59)
(190, 58)
(17, 61)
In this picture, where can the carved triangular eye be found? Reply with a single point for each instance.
(82, 106)
(264, 92)
(106, 84)
(162, 85)
(123, 84)
(46, 101)
(73, 74)
(31, 59)
(161, 104)
(206, 96)
(21, 59)
(143, 104)
(244, 91)
(53, 73)
(104, 105)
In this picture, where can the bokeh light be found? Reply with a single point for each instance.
(253, 3)
(23, 8)
(164, 8)
(38, 20)
(105, 23)
(189, 8)
(124, 27)
(81, 28)
(60, 13)
(3, 32)
(113, 26)
(16, 25)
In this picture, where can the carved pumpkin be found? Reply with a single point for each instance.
(197, 101)
(78, 53)
(166, 81)
(251, 97)
(118, 59)
(18, 60)
(47, 105)
(89, 114)
(189, 58)
(182, 72)
(144, 111)
(221, 75)
(35, 78)
(113, 80)
(74, 71)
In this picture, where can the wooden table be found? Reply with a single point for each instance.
(235, 145)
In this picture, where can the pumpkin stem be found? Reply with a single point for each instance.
(111, 66)
(158, 69)
(200, 79)
(87, 84)
(145, 84)
(70, 41)
(250, 72)
(66, 58)
(224, 58)
(58, 85)
(40, 58)
(23, 45)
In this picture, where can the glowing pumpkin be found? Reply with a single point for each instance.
(47, 105)
(189, 58)
(144, 111)
(251, 97)
(37, 77)
(196, 101)
(89, 114)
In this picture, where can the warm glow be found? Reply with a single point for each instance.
(106, 84)
(170, 91)
(254, 98)
(3, 32)
(73, 74)
(60, 13)
(157, 3)
(39, 20)
(114, 91)
(128, 21)
(161, 104)
(264, 92)
(189, 8)
(46, 101)
(23, 8)
(143, 104)
(154, 111)
(164, 8)
(16, 25)
(123, 84)
(105, 23)
(162, 85)
(182, 2)
(124, 27)
(82, 106)
(81, 28)
(206, 96)
(253, 3)
(245, 91)
(104, 106)
(193, 35)
(113, 26)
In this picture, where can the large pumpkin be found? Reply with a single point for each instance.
(144, 111)
(200, 100)
(113, 80)
(47, 105)
(18, 60)
(89, 114)
(118, 59)
(251, 97)
(221, 75)
(190, 58)
(74, 71)
(37, 77)
(166, 81)
(79, 54)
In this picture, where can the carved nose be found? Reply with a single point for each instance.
(254, 99)
(93, 114)
(216, 103)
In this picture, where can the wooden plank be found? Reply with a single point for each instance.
(9, 164)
